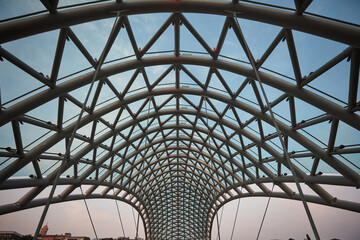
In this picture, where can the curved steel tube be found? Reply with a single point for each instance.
(167, 159)
(324, 28)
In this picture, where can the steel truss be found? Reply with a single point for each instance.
(177, 181)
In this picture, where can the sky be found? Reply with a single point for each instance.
(284, 219)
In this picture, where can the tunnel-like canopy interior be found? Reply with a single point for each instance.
(171, 124)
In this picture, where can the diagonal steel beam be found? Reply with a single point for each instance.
(193, 31)
(312, 76)
(51, 5)
(293, 56)
(159, 32)
(354, 79)
(58, 55)
(26, 68)
(301, 6)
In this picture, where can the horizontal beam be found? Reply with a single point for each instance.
(340, 32)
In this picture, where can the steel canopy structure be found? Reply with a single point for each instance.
(178, 150)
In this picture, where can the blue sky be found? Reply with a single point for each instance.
(38, 52)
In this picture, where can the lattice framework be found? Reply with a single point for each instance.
(177, 161)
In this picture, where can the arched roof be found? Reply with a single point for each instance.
(202, 130)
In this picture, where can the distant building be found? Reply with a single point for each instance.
(44, 230)
(66, 236)
(126, 238)
(10, 235)
(78, 238)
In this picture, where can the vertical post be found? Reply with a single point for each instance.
(286, 155)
